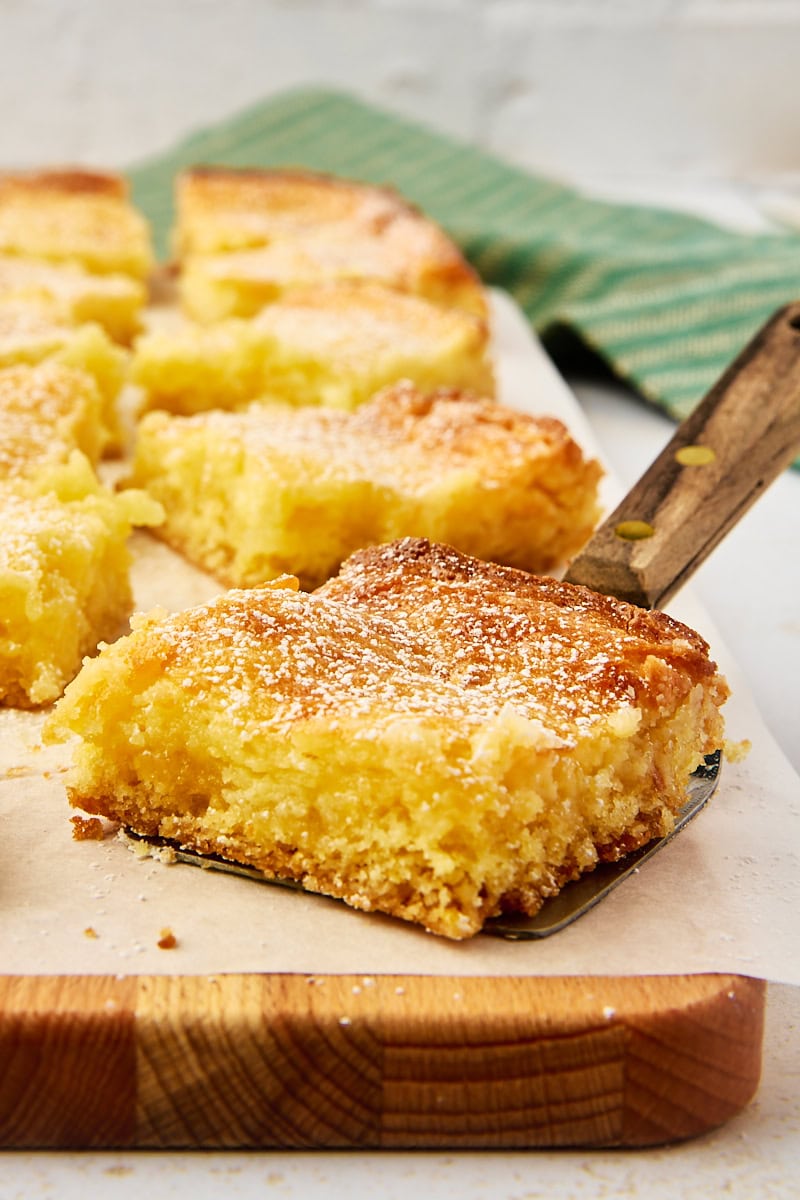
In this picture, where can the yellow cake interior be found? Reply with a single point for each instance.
(29, 334)
(73, 295)
(64, 575)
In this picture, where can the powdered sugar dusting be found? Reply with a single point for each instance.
(381, 645)
(61, 280)
(348, 322)
(36, 528)
(40, 410)
(401, 439)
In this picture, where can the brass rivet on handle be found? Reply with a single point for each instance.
(634, 531)
(694, 456)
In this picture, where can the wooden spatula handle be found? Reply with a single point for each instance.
(742, 435)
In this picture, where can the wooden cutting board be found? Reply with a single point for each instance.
(399, 1062)
(296, 1061)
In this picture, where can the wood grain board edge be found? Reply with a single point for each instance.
(295, 1061)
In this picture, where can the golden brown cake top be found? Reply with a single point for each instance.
(46, 411)
(463, 429)
(223, 208)
(74, 216)
(71, 181)
(415, 630)
(534, 642)
(273, 655)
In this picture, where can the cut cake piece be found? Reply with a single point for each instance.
(46, 412)
(245, 237)
(251, 495)
(75, 216)
(428, 736)
(29, 334)
(71, 294)
(332, 345)
(64, 576)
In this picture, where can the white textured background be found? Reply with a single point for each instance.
(583, 89)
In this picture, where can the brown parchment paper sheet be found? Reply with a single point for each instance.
(723, 896)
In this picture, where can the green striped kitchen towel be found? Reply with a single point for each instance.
(665, 298)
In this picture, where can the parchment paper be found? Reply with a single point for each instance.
(722, 897)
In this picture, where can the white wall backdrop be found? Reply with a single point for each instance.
(599, 88)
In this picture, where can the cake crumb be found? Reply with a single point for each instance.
(167, 940)
(18, 772)
(142, 849)
(89, 932)
(87, 829)
(736, 752)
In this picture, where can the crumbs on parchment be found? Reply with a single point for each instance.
(18, 772)
(91, 829)
(167, 940)
(737, 751)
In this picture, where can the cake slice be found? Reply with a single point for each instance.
(250, 495)
(46, 412)
(75, 216)
(69, 293)
(428, 736)
(30, 334)
(335, 346)
(244, 238)
(64, 563)
(64, 575)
